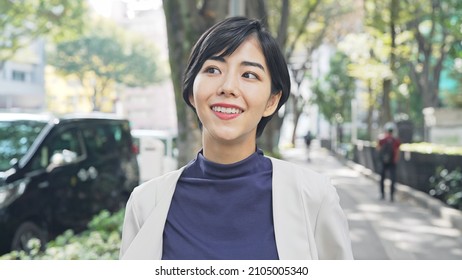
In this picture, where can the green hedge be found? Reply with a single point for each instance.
(100, 241)
(430, 148)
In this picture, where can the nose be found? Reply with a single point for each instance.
(230, 86)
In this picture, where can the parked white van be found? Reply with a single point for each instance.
(157, 152)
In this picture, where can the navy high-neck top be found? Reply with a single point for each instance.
(222, 211)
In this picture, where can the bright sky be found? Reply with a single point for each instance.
(104, 7)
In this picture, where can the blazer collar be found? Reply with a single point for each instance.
(147, 244)
(290, 223)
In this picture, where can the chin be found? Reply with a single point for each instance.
(226, 137)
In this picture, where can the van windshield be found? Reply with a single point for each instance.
(16, 137)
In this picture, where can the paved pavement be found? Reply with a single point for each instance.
(414, 227)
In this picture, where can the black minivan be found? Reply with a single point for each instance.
(58, 172)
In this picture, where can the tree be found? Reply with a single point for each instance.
(455, 72)
(426, 32)
(333, 93)
(383, 18)
(319, 25)
(104, 56)
(22, 22)
(418, 37)
(186, 21)
(433, 26)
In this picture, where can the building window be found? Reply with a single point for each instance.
(19, 76)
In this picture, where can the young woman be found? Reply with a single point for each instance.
(232, 202)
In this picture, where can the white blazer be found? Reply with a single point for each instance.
(308, 221)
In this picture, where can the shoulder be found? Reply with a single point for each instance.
(302, 179)
(154, 183)
(146, 195)
(298, 189)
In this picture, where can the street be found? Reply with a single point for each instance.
(381, 230)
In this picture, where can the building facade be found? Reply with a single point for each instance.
(22, 85)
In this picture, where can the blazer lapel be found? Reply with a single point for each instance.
(147, 244)
(290, 224)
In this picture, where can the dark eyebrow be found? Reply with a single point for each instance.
(254, 64)
(217, 58)
(245, 63)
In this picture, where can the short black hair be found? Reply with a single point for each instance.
(224, 38)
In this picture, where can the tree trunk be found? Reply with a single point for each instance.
(385, 109)
(431, 56)
(297, 113)
(297, 99)
(183, 28)
(270, 138)
(257, 9)
(283, 24)
(370, 110)
(388, 82)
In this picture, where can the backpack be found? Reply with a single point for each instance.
(308, 139)
(386, 151)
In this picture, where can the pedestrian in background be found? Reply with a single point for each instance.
(308, 137)
(231, 201)
(388, 150)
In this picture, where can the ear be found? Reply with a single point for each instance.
(272, 104)
(191, 100)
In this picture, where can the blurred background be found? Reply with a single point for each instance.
(356, 65)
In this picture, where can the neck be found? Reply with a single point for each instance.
(226, 153)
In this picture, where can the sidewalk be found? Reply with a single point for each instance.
(415, 226)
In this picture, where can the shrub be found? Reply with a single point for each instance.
(431, 148)
(100, 241)
(447, 186)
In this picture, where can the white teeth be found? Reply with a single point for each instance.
(226, 110)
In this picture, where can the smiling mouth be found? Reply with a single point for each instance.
(227, 110)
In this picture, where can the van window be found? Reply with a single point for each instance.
(121, 134)
(16, 137)
(67, 141)
(98, 140)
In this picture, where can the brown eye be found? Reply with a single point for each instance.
(212, 70)
(250, 75)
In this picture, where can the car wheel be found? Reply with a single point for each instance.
(26, 232)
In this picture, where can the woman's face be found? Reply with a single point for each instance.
(231, 94)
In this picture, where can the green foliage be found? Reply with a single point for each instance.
(21, 22)
(447, 186)
(111, 54)
(426, 34)
(453, 96)
(107, 55)
(431, 148)
(334, 92)
(100, 241)
(455, 100)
